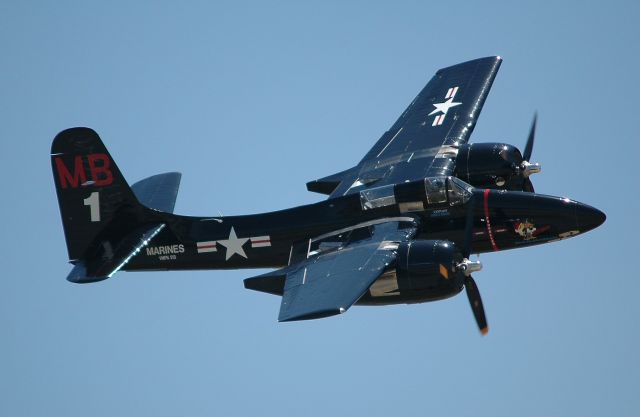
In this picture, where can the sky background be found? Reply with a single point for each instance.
(250, 100)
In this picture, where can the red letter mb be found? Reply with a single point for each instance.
(66, 178)
(100, 174)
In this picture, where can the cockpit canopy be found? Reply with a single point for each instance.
(427, 193)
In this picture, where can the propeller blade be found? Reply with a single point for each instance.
(528, 149)
(528, 186)
(476, 304)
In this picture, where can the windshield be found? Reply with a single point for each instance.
(436, 190)
(458, 190)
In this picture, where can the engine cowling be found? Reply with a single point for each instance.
(429, 264)
(490, 165)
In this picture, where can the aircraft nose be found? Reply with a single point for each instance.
(588, 218)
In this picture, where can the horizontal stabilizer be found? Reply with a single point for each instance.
(327, 184)
(112, 256)
(158, 192)
(271, 283)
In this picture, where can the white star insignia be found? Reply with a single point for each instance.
(234, 245)
(444, 107)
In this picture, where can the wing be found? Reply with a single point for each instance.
(341, 267)
(419, 144)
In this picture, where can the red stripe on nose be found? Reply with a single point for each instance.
(488, 220)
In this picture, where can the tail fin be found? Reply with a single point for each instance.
(104, 222)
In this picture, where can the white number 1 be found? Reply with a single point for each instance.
(93, 201)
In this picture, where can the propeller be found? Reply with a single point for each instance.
(527, 168)
(528, 149)
(527, 186)
(476, 304)
(467, 267)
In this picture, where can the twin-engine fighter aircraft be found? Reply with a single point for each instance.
(399, 227)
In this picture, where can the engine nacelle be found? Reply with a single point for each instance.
(489, 165)
(429, 264)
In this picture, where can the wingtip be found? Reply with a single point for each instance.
(484, 331)
(311, 315)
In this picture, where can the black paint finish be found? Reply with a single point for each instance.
(392, 231)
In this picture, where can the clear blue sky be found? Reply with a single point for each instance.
(250, 101)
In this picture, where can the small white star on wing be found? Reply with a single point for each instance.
(444, 107)
(234, 245)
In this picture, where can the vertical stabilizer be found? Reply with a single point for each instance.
(93, 195)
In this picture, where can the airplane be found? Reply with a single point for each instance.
(398, 227)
